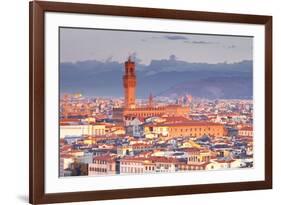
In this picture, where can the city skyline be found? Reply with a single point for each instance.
(175, 129)
(100, 136)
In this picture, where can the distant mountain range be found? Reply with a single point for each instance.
(161, 78)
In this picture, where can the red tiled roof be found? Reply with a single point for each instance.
(153, 159)
(175, 119)
(108, 158)
(247, 129)
(189, 123)
(69, 120)
(191, 149)
(65, 156)
(141, 145)
(225, 161)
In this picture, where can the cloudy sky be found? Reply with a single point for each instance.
(108, 45)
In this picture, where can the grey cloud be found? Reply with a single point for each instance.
(175, 37)
(201, 42)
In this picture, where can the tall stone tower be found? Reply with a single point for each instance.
(129, 84)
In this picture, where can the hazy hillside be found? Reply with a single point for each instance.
(161, 77)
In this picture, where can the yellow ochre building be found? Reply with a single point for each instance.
(187, 128)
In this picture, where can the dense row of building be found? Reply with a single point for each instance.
(101, 136)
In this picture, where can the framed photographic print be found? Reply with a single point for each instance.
(140, 102)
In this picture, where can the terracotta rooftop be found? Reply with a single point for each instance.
(150, 159)
(108, 158)
(65, 156)
(175, 119)
(247, 129)
(225, 161)
(189, 123)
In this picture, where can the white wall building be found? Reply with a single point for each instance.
(78, 130)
